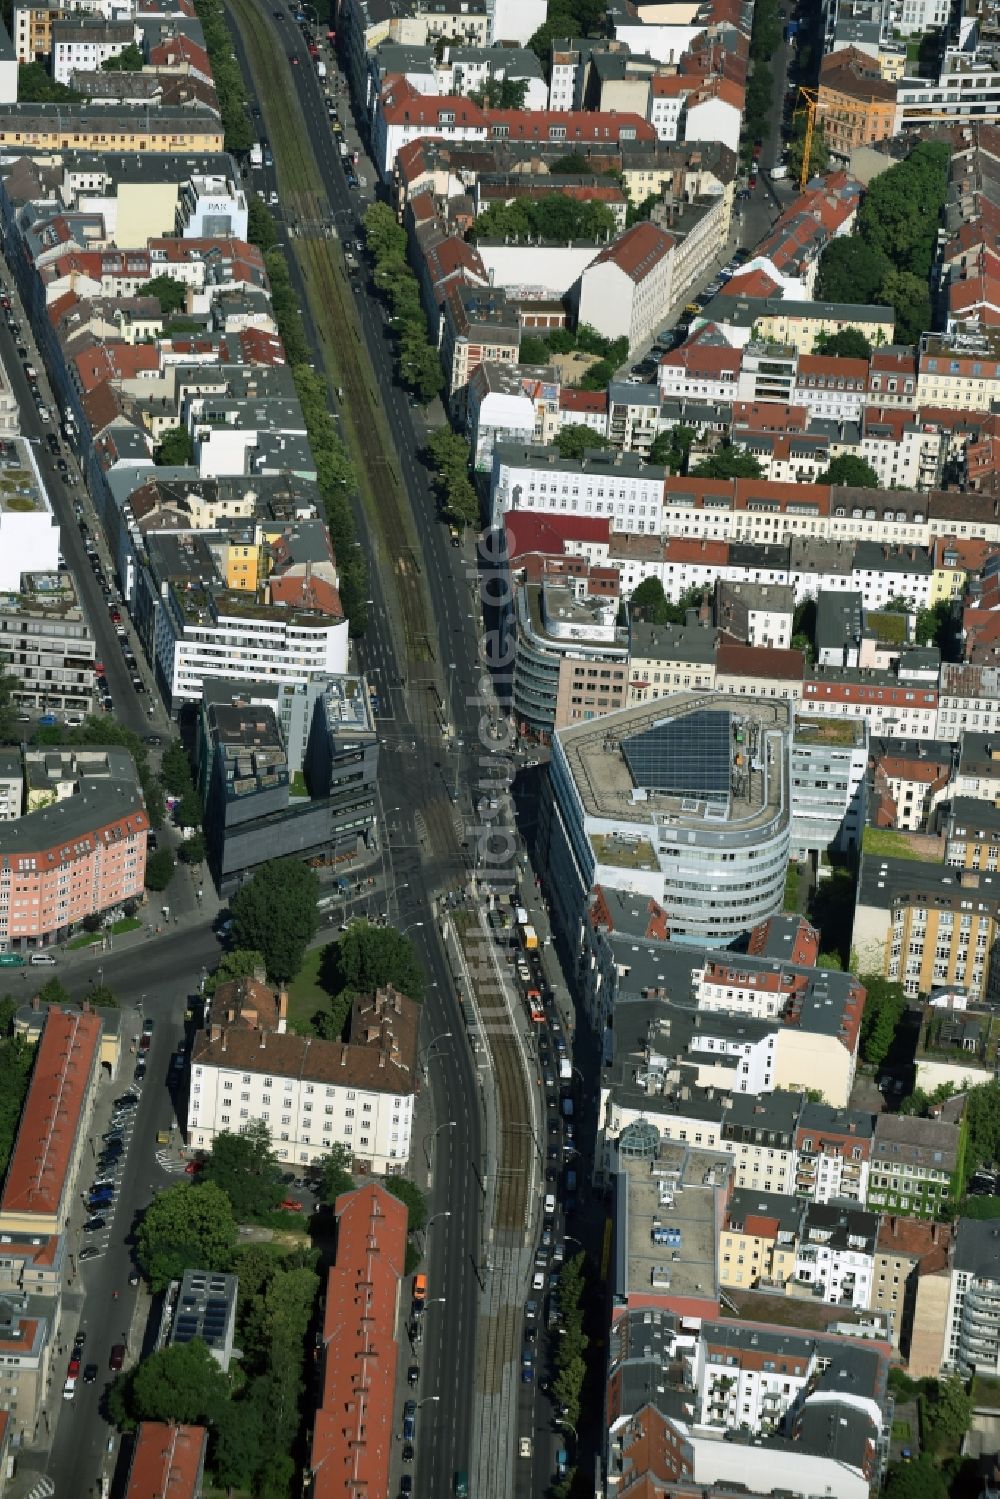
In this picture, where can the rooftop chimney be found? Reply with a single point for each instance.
(282, 1011)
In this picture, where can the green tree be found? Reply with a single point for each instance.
(533, 350)
(901, 209)
(35, 86)
(369, 957)
(577, 439)
(170, 293)
(671, 448)
(275, 913)
(226, 75)
(181, 1384)
(908, 295)
(848, 468)
(728, 462)
(947, 1415)
(159, 869)
(237, 1439)
(819, 151)
(245, 1167)
(17, 1058)
(129, 60)
(412, 1199)
(184, 1226)
(262, 231)
(919, 1479)
(238, 963)
(500, 93)
(10, 729)
(575, 164)
(175, 449)
(559, 23)
(850, 271)
(384, 234)
(649, 603)
(849, 343)
(461, 503)
(54, 993)
(885, 1005)
(175, 768)
(193, 849)
(334, 1173)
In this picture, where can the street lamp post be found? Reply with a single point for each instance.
(412, 925)
(445, 1213)
(448, 1124)
(441, 1036)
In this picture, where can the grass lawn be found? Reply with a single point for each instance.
(127, 924)
(889, 843)
(306, 994)
(87, 940)
(901, 1431)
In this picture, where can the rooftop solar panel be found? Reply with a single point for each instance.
(683, 757)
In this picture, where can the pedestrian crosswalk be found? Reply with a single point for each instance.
(169, 1163)
(43, 1489)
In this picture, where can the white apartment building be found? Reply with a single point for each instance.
(620, 487)
(969, 700)
(219, 634)
(626, 292)
(972, 1323)
(29, 532)
(515, 21)
(311, 1094)
(668, 96)
(83, 44)
(837, 1253)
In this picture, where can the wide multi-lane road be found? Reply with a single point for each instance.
(425, 791)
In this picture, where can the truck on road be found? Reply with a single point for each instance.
(256, 154)
(321, 70)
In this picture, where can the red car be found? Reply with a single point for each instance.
(74, 1367)
(291, 1206)
(193, 1167)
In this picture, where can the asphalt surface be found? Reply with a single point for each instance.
(418, 777)
(129, 709)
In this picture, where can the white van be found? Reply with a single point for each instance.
(42, 960)
(550, 1204)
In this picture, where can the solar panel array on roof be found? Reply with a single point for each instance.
(687, 757)
(185, 1328)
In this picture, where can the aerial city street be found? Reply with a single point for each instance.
(499, 822)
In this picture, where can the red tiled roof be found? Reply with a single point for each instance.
(756, 662)
(114, 362)
(532, 531)
(638, 251)
(834, 367)
(301, 592)
(595, 401)
(753, 283)
(579, 125)
(168, 1462)
(52, 1114)
(352, 1442)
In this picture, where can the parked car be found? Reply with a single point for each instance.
(117, 1359)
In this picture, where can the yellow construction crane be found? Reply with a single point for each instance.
(810, 101)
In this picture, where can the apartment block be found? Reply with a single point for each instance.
(926, 925)
(310, 1093)
(102, 128)
(52, 1134)
(47, 645)
(352, 1439)
(833, 1153)
(79, 853)
(759, 1239)
(168, 1462)
(913, 1164)
(972, 1320)
(907, 1250)
(828, 773)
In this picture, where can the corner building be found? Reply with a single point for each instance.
(683, 801)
